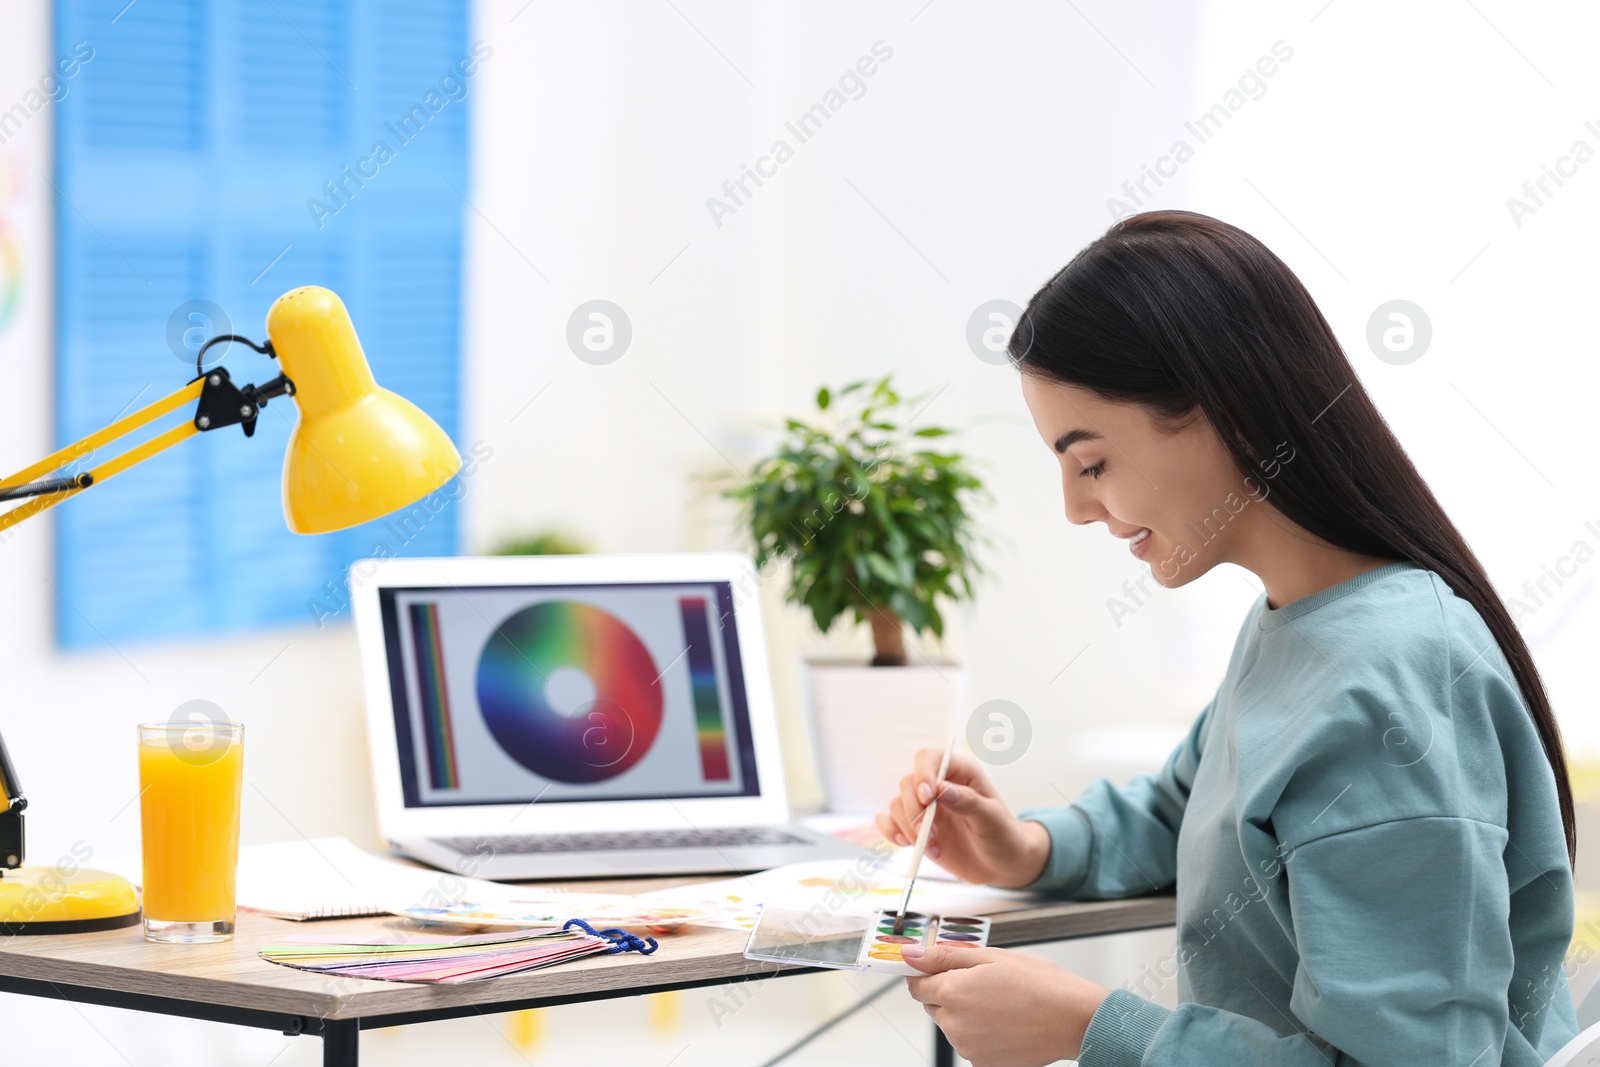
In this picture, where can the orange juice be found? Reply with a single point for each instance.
(189, 822)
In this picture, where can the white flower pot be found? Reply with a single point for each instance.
(868, 722)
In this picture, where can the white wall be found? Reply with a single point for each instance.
(982, 156)
(1392, 145)
(971, 168)
(979, 159)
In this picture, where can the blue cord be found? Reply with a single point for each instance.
(621, 940)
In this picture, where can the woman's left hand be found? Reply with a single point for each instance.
(1004, 1009)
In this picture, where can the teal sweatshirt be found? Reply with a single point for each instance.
(1364, 836)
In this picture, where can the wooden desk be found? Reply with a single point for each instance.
(229, 982)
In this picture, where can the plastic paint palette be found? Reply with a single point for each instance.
(856, 941)
(881, 946)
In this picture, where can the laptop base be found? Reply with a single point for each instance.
(505, 866)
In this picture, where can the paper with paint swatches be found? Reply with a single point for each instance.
(881, 948)
(857, 941)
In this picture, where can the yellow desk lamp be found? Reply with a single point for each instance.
(357, 452)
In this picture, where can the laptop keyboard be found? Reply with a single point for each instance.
(618, 840)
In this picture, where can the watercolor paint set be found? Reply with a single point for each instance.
(881, 946)
(817, 937)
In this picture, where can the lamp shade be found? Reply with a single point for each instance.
(357, 450)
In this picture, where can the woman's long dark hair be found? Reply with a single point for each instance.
(1179, 311)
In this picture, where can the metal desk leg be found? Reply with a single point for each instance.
(943, 1054)
(341, 1042)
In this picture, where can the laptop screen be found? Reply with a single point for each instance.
(511, 694)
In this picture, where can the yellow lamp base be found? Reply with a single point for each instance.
(51, 900)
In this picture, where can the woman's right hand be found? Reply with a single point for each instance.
(975, 837)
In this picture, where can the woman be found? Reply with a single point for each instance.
(1370, 825)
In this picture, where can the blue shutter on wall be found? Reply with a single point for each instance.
(187, 149)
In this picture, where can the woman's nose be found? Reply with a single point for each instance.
(1082, 506)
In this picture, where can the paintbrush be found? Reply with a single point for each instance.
(922, 837)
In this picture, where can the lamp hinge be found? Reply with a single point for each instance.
(224, 404)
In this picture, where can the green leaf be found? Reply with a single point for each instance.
(823, 397)
(882, 568)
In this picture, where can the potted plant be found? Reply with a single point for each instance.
(550, 542)
(873, 521)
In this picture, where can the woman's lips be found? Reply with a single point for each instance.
(1139, 544)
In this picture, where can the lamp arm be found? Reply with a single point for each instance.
(221, 403)
(87, 445)
(11, 838)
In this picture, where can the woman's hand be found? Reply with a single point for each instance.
(975, 837)
(1001, 1008)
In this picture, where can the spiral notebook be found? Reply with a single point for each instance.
(331, 878)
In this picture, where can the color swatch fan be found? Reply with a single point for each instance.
(472, 958)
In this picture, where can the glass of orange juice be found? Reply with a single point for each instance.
(190, 778)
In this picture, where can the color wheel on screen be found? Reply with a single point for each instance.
(568, 690)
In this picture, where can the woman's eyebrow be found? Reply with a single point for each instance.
(1072, 437)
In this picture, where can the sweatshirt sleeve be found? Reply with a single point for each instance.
(1405, 958)
(1121, 841)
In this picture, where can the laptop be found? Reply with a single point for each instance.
(540, 717)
